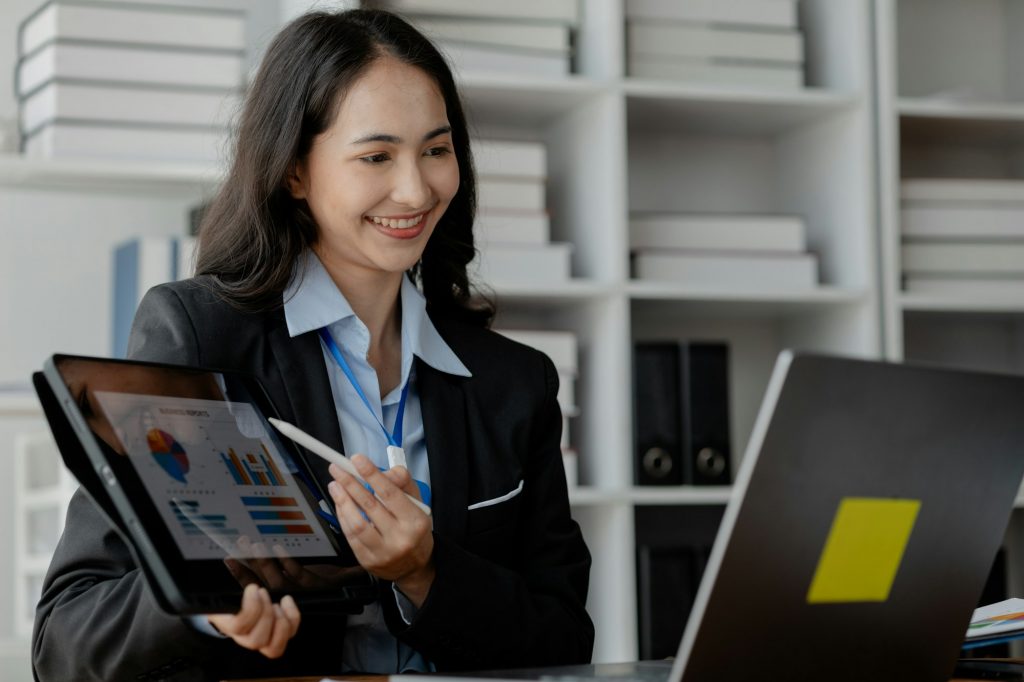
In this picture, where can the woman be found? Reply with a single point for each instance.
(352, 179)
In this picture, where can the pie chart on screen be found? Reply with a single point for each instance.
(168, 453)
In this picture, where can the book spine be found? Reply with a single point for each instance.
(705, 402)
(509, 195)
(499, 158)
(758, 76)
(726, 233)
(564, 11)
(946, 191)
(483, 60)
(162, 25)
(507, 227)
(963, 222)
(512, 264)
(139, 265)
(780, 14)
(561, 347)
(550, 38)
(963, 258)
(698, 42)
(657, 413)
(729, 272)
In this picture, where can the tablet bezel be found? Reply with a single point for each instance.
(191, 586)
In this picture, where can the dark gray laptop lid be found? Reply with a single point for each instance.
(921, 458)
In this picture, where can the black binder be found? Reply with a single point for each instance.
(681, 414)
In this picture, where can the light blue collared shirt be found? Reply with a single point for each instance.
(312, 301)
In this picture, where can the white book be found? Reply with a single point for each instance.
(963, 258)
(963, 221)
(718, 232)
(512, 227)
(964, 286)
(962, 191)
(775, 14)
(518, 264)
(130, 65)
(718, 73)
(510, 195)
(717, 270)
(528, 36)
(127, 104)
(565, 11)
(506, 158)
(669, 39)
(561, 347)
(479, 60)
(69, 140)
(167, 25)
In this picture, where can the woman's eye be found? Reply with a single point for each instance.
(375, 158)
(438, 151)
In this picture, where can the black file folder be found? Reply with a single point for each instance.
(681, 408)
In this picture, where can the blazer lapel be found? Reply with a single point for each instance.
(443, 406)
(300, 361)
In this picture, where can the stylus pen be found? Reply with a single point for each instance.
(330, 454)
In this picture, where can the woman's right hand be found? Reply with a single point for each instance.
(260, 625)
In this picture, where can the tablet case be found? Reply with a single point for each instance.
(349, 599)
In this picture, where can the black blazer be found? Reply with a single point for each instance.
(512, 578)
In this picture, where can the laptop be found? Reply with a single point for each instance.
(864, 521)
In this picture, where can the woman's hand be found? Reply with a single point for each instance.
(389, 536)
(260, 625)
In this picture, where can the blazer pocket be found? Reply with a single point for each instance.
(495, 513)
(498, 500)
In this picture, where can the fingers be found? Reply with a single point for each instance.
(403, 480)
(260, 624)
(356, 494)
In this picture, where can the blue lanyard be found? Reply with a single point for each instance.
(394, 438)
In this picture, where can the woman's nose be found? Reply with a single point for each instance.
(411, 188)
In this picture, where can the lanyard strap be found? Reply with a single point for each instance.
(394, 438)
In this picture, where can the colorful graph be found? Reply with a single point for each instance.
(264, 510)
(252, 469)
(1004, 619)
(168, 453)
(194, 523)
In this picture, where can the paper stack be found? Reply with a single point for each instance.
(963, 236)
(128, 81)
(738, 252)
(562, 348)
(531, 37)
(513, 232)
(718, 42)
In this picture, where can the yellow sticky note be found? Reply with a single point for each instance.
(863, 550)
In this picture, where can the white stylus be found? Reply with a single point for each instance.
(330, 454)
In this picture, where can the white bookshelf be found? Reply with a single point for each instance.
(614, 145)
(950, 100)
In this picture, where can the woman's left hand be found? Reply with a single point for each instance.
(389, 536)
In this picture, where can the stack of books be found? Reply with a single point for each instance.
(128, 81)
(562, 348)
(750, 43)
(139, 265)
(963, 237)
(513, 232)
(737, 252)
(529, 37)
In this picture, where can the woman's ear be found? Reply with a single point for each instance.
(294, 181)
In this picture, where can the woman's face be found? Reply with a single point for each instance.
(378, 180)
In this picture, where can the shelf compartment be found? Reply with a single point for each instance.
(550, 294)
(522, 101)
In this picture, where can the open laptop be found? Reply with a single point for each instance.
(865, 518)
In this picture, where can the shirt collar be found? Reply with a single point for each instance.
(313, 301)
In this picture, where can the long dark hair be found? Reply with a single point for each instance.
(254, 230)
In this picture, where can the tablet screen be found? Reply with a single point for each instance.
(218, 479)
(212, 496)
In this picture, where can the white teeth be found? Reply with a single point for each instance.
(398, 224)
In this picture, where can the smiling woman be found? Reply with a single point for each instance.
(332, 267)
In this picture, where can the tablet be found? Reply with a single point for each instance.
(208, 497)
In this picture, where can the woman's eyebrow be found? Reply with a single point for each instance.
(395, 139)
